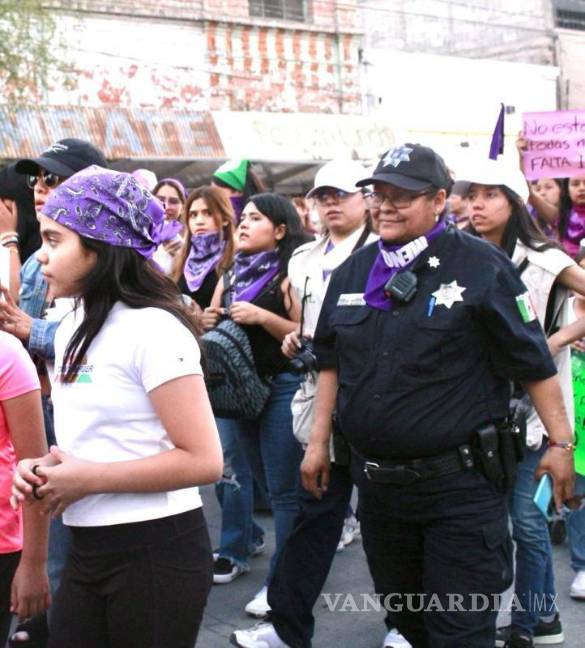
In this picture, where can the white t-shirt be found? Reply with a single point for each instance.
(106, 414)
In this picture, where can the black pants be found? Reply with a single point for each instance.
(306, 558)
(8, 565)
(140, 585)
(445, 543)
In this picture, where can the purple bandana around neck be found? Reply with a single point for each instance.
(392, 259)
(108, 206)
(253, 272)
(204, 255)
(575, 230)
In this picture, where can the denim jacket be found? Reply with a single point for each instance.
(32, 300)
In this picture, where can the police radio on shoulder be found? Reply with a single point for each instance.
(402, 286)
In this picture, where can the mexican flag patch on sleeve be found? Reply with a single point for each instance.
(527, 312)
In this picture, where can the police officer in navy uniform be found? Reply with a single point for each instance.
(418, 339)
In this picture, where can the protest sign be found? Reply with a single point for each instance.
(578, 369)
(556, 144)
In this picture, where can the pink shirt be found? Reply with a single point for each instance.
(17, 377)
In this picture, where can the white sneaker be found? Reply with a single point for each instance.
(262, 635)
(395, 640)
(578, 586)
(258, 607)
(350, 531)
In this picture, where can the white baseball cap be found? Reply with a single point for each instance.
(496, 172)
(339, 174)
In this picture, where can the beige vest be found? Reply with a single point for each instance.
(539, 276)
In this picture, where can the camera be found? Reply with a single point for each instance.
(305, 359)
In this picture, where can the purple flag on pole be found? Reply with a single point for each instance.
(497, 145)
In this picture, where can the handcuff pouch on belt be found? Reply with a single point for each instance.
(499, 449)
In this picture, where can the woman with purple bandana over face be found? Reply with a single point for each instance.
(133, 422)
(260, 299)
(208, 251)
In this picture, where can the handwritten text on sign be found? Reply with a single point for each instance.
(556, 144)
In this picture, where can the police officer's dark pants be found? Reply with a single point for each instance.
(306, 558)
(444, 542)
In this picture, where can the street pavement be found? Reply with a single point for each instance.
(349, 574)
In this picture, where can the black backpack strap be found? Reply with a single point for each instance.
(228, 288)
(362, 239)
(554, 306)
(522, 266)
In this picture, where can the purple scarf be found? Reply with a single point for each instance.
(170, 229)
(204, 255)
(575, 230)
(253, 272)
(392, 259)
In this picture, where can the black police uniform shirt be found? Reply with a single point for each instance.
(417, 380)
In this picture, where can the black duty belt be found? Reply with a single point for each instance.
(404, 472)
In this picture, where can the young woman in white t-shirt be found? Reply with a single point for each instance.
(497, 199)
(133, 422)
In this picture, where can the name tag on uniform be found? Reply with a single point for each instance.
(351, 299)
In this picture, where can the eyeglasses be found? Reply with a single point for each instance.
(398, 199)
(51, 180)
(169, 200)
(321, 195)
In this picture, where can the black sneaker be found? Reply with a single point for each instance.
(548, 634)
(519, 641)
(225, 571)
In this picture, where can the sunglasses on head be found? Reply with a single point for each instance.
(51, 180)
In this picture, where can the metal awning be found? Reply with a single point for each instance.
(286, 148)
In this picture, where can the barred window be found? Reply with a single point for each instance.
(569, 14)
(286, 9)
(570, 19)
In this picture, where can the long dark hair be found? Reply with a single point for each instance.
(521, 226)
(281, 211)
(119, 274)
(565, 207)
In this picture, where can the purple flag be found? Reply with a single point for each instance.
(497, 145)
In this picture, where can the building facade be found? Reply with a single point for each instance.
(269, 55)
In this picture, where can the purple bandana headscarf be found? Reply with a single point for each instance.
(253, 272)
(204, 255)
(392, 259)
(109, 206)
(575, 230)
